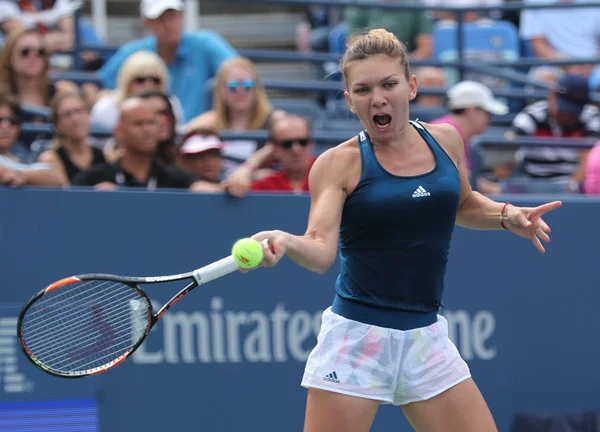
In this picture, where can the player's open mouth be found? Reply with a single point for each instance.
(382, 121)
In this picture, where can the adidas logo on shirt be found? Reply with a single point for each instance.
(332, 377)
(420, 192)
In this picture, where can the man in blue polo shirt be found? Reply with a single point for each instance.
(192, 58)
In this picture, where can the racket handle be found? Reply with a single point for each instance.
(218, 269)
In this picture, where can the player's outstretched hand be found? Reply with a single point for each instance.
(276, 249)
(527, 222)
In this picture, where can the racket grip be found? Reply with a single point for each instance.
(218, 269)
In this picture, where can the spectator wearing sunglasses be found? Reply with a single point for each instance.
(141, 72)
(240, 103)
(15, 171)
(191, 58)
(293, 149)
(24, 69)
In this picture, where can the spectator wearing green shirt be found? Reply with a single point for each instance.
(413, 28)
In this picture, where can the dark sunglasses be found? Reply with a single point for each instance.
(233, 85)
(288, 144)
(143, 79)
(25, 52)
(9, 121)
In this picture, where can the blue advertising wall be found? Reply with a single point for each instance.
(230, 356)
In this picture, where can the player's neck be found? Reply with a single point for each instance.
(137, 164)
(401, 142)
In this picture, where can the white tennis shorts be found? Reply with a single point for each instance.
(389, 365)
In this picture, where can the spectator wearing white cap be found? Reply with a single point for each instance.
(192, 58)
(201, 154)
(471, 105)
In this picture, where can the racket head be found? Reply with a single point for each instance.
(84, 325)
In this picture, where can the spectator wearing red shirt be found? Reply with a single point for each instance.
(292, 148)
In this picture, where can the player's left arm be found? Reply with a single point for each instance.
(476, 211)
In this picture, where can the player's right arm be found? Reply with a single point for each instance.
(316, 250)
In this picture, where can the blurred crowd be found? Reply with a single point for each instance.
(166, 132)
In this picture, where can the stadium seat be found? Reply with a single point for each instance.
(524, 185)
(484, 40)
(337, 38)
(346, 126)
(78, 78)
(31, 113)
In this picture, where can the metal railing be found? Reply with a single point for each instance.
(31, 131)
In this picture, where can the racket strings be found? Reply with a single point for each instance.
(53, 347)
(73, 306)
(84, 325)
(69, 291)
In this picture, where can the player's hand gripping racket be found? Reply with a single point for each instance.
(86, 324)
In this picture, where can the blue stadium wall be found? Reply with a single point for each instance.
(230, 356)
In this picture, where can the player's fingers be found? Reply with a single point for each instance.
(545, 208)
(538, 244)
(539, 232)
(544, 226)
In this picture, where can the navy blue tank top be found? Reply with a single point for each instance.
(394, 239)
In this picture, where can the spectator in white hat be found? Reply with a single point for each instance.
(471, 105)
(191, 58)
(201, 154)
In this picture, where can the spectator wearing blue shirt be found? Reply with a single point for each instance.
(191, 58)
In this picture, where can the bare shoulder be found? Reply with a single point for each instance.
(203, 121)
(448, 137)
(339, 165)
(49, 156)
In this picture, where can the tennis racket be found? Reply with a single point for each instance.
(87, 324)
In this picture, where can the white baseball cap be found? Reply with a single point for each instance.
(196, 144)
(152, 9)
(471, 94)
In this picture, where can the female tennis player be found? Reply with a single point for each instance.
(391, 196)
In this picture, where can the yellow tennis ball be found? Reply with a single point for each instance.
(247, 252)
